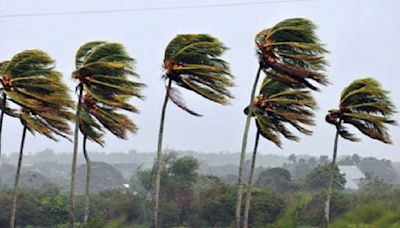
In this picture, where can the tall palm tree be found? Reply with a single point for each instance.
(30, 81)
(365, 105)
(102, 70)
(275, 109)
(191, 61)
(291, 53)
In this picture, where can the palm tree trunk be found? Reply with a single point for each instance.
(250, 183)
(15, 193)
(157, 178)
(3, 105)
(331, 179)
(239, 193)
(88, 174)
(74, 158)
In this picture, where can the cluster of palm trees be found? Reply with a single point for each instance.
(289, 54)
(292, 57)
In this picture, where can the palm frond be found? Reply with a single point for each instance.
(279, 107)
(30, 81)
(102, 68)
(193, 61)
(290, 52)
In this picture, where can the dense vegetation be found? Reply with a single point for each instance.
(189, 197)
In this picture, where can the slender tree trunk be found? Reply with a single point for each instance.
(88, 175)
(3, 105)
(239, 193)
(16, 192)
(331, 180)
(250, 183)
(74, 158)
(157, 178)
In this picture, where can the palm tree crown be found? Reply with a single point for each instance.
(192, 61)
(102, 69)
(365, 105)
(30, 81)
(278, 107)
(290, 52)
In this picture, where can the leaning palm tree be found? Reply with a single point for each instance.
(102, 70)
(275, 109)
(365, 105)
(30, 81)
(191, 61)
(291, 53)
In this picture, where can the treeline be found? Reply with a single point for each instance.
(190, 199)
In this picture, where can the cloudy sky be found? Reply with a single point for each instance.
(361, 35)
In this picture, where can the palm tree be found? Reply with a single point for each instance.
(276, 108)
(291, 53)
(365, 105)
(30, 81)
(102, 70)
(191, 61)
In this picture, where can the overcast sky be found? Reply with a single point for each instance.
(361, 35)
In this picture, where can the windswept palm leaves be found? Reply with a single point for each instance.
(102, 71)
(276, 110)
(290, 53)
(30, 81)
(191, 61)
(365, 105)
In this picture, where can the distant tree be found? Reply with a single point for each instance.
(365, 105)
(291, 53)
(312, 162)
(275, 180)
(381, 168)
(318, 178)
(301, 169)
(178, 176)
(372, 184)
(347, 160)
(356, 158)
(323, 160)
(292, 158)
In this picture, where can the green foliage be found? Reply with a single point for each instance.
(291, 53)
(319, 178)
(365, 105)
(276, 180)
(370, 215)
(175, 173)
(193, 61)
(279, 107)
(313, 212)
(30, 81)
(265, 208)
(55, 209)
(290, 216)
(178, 176)
(102, 70)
